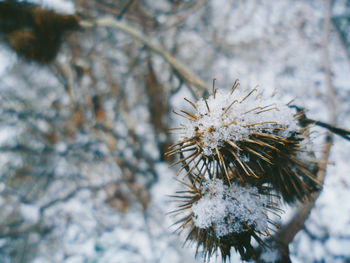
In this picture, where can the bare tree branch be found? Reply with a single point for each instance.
(179, 67)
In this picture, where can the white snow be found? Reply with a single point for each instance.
(233, 116)
(228, 208)
(270, 256)
(275, 43)
(7, 59)
(30, 212)
(61, 6)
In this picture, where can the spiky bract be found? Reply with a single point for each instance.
(247, 138)
(254, 151)
(220, 217)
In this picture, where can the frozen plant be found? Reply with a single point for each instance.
(241, 152)
(220, 217)
(229, 209)
(247, 137)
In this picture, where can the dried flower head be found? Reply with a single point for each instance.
(246, 137)
(221, 217)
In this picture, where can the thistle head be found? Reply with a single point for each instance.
(220, 217)
(246, 137)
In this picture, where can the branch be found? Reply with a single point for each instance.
(286, 235)
(73, 193)
(345, 133)
(304, 121)
(189, 77)
(327, 63)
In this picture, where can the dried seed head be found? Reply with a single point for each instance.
(219, 217)
(246, 137)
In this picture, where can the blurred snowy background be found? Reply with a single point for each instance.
(83, 177)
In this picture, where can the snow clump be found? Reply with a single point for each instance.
(230, 209)
(227, 115)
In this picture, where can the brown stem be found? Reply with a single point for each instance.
(286, 234)
(185, 73)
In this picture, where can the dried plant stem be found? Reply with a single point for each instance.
(286, 235)
(185, 73)
(288, 232)
(327, 63)
(345, 133)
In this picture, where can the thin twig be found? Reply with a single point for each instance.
(327, 64)
(288, 232)
(125, 9)
(304, 121)
(191, 78)
(345, 133)
(286, 235)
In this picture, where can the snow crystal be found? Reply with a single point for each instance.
(228, 208)
(235, 115)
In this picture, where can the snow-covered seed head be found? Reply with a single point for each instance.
(219, 217)
(245, 136)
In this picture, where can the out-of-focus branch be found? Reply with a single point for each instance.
(304, 120)
(286, 234)
(189, 77)
(183, 16)
(345, 133)
(327, 64)
(125, 9)
(72, 194)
